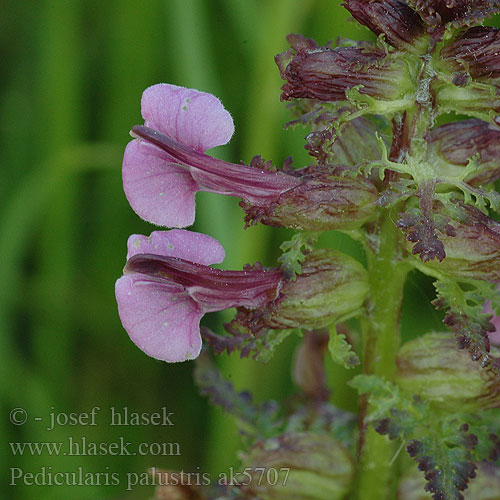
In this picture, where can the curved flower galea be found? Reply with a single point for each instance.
(165, 166)
(168, 286)
(160, 188)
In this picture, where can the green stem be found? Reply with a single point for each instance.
(381, 331)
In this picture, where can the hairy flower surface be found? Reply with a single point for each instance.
(475, 52)
(168, 286)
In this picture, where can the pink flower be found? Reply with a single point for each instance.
(168, 286)
(161, 188)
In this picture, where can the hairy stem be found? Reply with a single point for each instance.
(381, 331)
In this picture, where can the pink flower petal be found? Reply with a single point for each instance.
(193, 118)
(159, 318)
(158, 191)
(188, 245)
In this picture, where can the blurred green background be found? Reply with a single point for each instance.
(73, 74)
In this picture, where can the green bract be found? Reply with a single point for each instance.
(431, 367)
(332, 287)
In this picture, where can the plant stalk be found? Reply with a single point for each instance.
(382, 338)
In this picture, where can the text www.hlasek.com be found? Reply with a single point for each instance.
(83, 447)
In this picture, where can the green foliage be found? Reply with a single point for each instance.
(341, 351)
(264, 420)
(446, 446)
(464, 303)
(255, 421)
(294, 252)
(260, 346)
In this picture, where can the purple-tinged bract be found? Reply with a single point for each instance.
(402, 26)
(476, 52)
(326, 74)
(437, 13)
(456, 143)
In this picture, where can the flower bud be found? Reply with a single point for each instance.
(432, 367)
(474, 251)
(298, 466)
(321, 202)
(453, 145)
(326, 74)
(485, 486)
(331, 287)
(403, 28)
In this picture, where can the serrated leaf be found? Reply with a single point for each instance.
(255, 421)
(266, 344)
(225, 343)
(440, 443)
(422, 224)
(464, 315)
(259, 346)
(486, 428)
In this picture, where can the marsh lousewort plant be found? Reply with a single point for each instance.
(403, 135)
